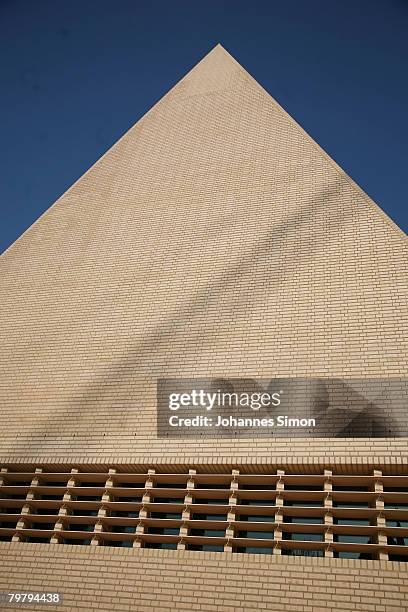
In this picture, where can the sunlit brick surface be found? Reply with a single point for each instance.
(144, 580)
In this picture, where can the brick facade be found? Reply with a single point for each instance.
(144, 580)
(216, 238)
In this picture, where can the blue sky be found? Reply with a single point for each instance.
(76, 74)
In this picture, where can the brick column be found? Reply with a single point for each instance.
(63, 511)
(146, 499)
(230, 529)
(279, 513)
(186, 514)
(328, 517)
(98, 529)
(380, 520)
(3, 471)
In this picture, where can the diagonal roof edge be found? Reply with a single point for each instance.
(113, 145)
(216, 49)
(373, 205)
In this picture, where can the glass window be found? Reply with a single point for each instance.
(397, 540)
(396, 523)
(81, 527)
(395, 506)
(350, 521)
(37, 539)
(46, 496)
(13, 495)
(126, 513)
(308, 537)
(166, 515)
(262, 535)
(122, 528)
(208, 547)
(45, 526)
(163, 530)
(8, 524)
(209, 517)
(345, 554)
(351, 504)
(60, 483)
(299, 552)
(208, 533)
(20, 483)
(255, 518)
(348, 488)
(352, 539)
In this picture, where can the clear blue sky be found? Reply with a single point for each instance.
(76, 74)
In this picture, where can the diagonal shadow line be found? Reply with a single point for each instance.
(181, 321)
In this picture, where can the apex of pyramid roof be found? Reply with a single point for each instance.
(220, 51)
(213, 72)
(220, 48)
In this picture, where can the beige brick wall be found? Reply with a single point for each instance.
(215, 238)
(144, 580)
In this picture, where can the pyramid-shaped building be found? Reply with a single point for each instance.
(215, 239)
